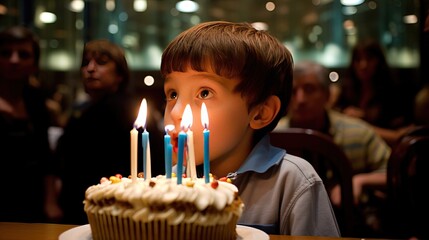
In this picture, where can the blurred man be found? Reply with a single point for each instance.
(368, 153)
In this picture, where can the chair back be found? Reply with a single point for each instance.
(419, 130)
(329, 161)
(407, 182)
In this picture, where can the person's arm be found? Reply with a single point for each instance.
(52, 209)
(373, 180)
(392, 136)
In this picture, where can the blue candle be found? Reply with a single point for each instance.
(206, 134)
(169, 157)
(141, 122)
(180, 155)
(168, 151)
(146, 155)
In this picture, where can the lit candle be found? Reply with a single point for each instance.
(141, 122)
(206, 134)
(168, 150)
(188, 119)
(134, 140)
(180, 153)
(146, 155)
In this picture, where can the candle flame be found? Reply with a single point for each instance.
(141, 117)
(186, 118)
(204, 116)
(169, 128)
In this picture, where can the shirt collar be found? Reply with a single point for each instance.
(262, 157)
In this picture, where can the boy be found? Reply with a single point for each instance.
(244, 76)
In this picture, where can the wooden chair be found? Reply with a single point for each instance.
(329, 161)
(407, 182)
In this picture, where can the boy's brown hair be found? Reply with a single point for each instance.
(236, 50)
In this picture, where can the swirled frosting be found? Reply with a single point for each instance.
(162, 198)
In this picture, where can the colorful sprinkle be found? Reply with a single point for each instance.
(190, 183)
(214, 184)
(115, 179)
(152, 183)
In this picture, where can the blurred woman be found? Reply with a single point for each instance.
(96, 141)
(372, 93)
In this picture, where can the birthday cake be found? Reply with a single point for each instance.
(162, 208)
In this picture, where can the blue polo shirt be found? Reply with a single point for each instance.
(283, 194)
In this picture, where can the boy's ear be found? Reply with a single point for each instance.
(264, 114)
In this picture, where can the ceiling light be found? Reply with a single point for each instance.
(77, 5)
(47, 17)
(140, 5)
(352, 2)
(187, 6)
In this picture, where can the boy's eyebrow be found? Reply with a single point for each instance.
(209, 77)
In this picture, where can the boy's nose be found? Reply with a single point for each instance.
(177, 113)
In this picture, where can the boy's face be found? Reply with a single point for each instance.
(230, 134)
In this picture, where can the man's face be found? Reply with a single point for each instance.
(17, 61)
(308, 99)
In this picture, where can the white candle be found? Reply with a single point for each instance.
(187, 122)
(134, 140)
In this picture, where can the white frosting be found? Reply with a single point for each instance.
(162, 198)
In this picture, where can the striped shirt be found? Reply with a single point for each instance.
(365, 149)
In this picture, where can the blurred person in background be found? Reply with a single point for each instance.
(367, 152)
(96, 138)
(372, 93)
(26, 158)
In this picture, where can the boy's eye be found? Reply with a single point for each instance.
(171, 95)
(204, 94)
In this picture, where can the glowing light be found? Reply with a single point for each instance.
(351, 2)
(47, 17)
(77, 5)
(149, 80)
(270, 6)
(410, 19)
(187, 6)
(140, 5)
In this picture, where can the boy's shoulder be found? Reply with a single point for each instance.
(298, 167)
